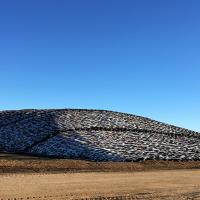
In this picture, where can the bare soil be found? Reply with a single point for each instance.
(27, 177)
(12, 163)
(166, 184)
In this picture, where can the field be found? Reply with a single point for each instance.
(12, 163)
(25, 177)
(174, 184)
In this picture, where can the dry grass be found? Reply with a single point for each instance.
(173, 184)
(18, 163)
(114, 180)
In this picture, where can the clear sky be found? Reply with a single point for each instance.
(135, 56)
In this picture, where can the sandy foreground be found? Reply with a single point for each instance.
(168, 184)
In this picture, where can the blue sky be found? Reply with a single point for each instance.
(135, 56)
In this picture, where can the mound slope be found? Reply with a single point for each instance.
(95, 135)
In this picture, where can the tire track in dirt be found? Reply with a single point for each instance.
(139, 196)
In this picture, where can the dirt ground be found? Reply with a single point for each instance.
(166, 184)
(12, 163)
(28, 177)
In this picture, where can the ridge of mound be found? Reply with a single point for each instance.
(98, 135)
